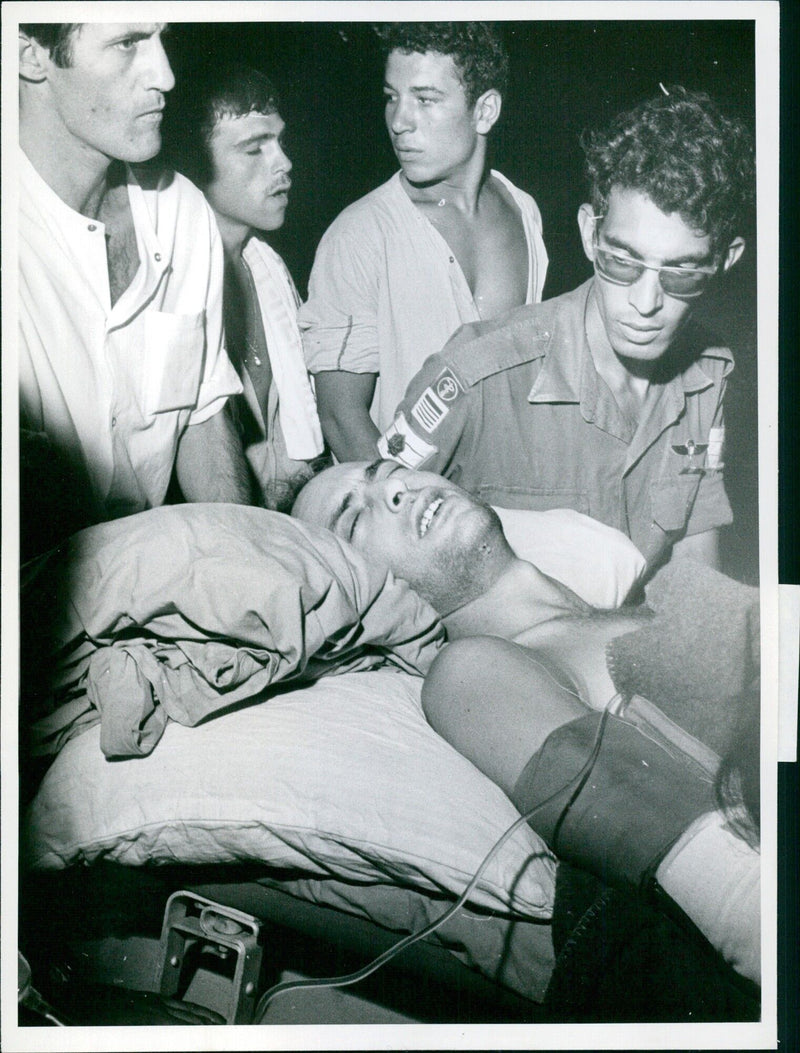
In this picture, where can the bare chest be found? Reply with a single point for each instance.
(491, 249)
(576, 648)
(122, 251)
(123, 261)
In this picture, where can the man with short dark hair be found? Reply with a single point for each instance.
(445, 241)
(608, 399)
(225, 132)
(123, 371)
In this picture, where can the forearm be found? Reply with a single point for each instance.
(210, 464)
(343, 402)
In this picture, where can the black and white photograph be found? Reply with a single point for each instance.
(390, 538)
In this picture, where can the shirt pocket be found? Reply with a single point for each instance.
(538, 499)
(673, 497)
(174, 353)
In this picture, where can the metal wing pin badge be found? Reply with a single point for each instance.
(691, 449)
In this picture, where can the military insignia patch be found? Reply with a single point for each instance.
(715, 456)
(396, 444)
(447, 387)
(400, 443)
(430, 409)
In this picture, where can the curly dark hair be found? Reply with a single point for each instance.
(205, 94)
(685, 154)
(57, 37)
(476, 49)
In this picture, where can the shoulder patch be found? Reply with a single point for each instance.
(479, 350)
(431, 407)
(400, 443)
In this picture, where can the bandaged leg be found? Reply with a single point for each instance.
(715, 878)
(627, 804)
(611, 798)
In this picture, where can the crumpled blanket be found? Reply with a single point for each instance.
(699, 656)
(184, 611)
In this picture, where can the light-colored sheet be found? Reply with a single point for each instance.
(343, 778)
(181, 612)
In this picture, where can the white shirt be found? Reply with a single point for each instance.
(278, 301)
(386, 290)
(114, 387)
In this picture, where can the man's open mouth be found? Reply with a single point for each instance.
(428, 514)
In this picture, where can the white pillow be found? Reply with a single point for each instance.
(342, 778)
(596, 561)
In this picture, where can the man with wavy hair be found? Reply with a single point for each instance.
(447, 240)
(608, 399)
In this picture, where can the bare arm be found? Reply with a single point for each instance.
(343, 401)
(496, 704)
(704, 547)
(211, 465)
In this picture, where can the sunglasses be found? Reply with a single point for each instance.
(682, 282)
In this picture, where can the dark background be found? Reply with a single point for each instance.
(565, 77)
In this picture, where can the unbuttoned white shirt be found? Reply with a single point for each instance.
(386, 290)
(114, 387)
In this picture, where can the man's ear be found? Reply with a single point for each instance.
(734, 253)
(586, 225)
(486, 111)
(33, 59)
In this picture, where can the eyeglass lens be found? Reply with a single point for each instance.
(625, 271)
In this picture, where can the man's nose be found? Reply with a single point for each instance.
(646, 294)
(160, 73)
(284, 164)
(401, 118)
(393, 493)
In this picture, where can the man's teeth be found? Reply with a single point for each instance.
(428, 515)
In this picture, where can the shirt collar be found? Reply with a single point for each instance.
(560, 378)
(568, 373)
(50, 206)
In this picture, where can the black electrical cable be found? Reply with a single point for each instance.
(367, 970)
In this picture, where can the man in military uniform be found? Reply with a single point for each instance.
(608, 399)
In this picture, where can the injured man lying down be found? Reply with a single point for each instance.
(625, 733)
(617, 732)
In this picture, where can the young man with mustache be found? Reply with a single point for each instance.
(536, 688)
(225, 133)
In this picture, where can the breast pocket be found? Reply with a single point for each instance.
(674, 493)
(174, 353)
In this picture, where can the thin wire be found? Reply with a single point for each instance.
(407, 941)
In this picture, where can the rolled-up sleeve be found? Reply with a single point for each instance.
(430, 431)
(339, 322)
